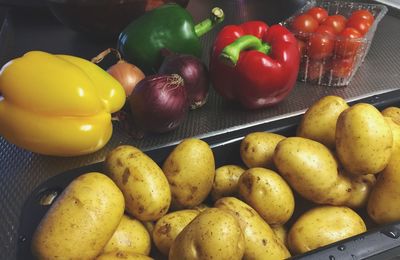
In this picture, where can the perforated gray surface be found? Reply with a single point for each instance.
(22, 171)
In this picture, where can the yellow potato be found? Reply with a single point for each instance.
(311, 169)
(268, 193)
(319, 121)
(363, 140)
(123, 255)
(214, 234)
(361, 187)
(81, 220)
(322, 226)
(393, 113)
(144, 185)
(190, 169)
(260, 240)
(226, 181)
(169, 226)
(201, 207)
(130, 236)
(281, 233)
(257, 149)
(395, 133)
(384, 201)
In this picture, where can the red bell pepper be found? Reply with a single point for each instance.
(254, 64)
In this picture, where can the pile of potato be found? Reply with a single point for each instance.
(342, 159)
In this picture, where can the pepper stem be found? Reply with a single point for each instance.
(217, 16)
(230, 54)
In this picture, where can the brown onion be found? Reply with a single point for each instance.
(159, 103)
(128, 75)
(194, 73)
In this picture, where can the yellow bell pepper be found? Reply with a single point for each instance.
(57, 104)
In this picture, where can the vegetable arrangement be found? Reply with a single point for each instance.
(291, 194)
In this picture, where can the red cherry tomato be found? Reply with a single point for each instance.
(363, 15)
(337, 22)
(359, 24)
(342, 68)
(348, 42)
(319, 13)
(321, 44)
(302, 47)
(325, 29)
(315, 70)
(304, 24)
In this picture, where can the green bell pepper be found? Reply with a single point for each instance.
(169, 26)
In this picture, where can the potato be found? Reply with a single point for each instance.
(323, 225)
(201, 207)
(214, 234)
(226, 181)
(81, 220)
(130, 236)
(363, 140)
(384, 201)
(395, 133)
(123, 255)
(268, 193)
(190, 169)
(144, 185)
(281, 233)
(260, 240)
(257, 148)
(393, 113)
(319, 121)
(169, 226)
(311, 169)
(361, 187)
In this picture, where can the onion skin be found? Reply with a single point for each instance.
(159, 103)
(127, 74)
(194, 73)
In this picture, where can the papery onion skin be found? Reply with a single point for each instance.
(193, 71)
(159, 103)
(127, 74)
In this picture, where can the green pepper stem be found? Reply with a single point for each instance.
(217, 16)
(230, 54)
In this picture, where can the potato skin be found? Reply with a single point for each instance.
(257, 149)
(190, 169)
(384, 201)
(361, 187)
(214, 234)
(123, 255)
(260, 240)
(81, 220)
(319, 121)
(144, 185)
(268, 193)
(130, 236)
(363, 140)
(322, 226)
(311, 169)
(281, 232)
(169, 226)
(393, 113)
(226, 181)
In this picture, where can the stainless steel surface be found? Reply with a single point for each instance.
(21, 171)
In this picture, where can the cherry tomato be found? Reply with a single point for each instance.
(319, 13)
(315, 70)
(359, 24)
(342, 68)
(325, 29)
(362, 15)
(348, 42)
(321, 43)
(304, 24)
(302, 47)
(337, 22)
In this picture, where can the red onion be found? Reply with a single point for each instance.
(193, 72)
(159, 103)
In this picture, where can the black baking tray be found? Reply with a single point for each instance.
(377, 243)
